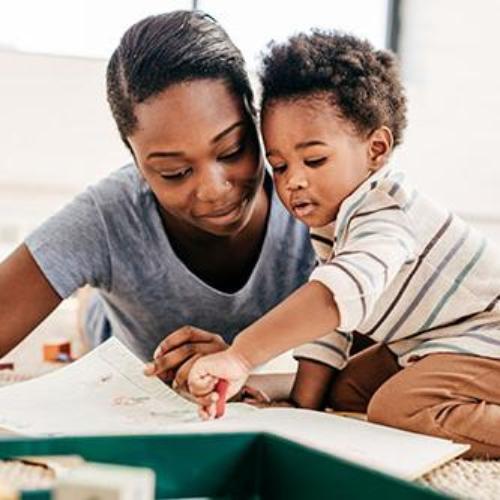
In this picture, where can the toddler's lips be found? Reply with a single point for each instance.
(303, 209)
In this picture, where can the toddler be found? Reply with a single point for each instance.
(393, 266)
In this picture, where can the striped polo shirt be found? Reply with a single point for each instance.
(407, 273)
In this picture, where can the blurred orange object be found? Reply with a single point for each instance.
(57, 350)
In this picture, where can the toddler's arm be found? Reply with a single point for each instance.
(309, 313)
(312, 383)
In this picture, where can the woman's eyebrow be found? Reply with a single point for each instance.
(164, 154)
(178, 154)
(226, 131)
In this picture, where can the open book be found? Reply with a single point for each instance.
(108, 392)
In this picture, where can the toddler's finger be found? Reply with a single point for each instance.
(182, 374)
(208, 399)
(212, 411)
(203, 414)
(208, 411)
(201, 385)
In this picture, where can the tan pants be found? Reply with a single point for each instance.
(454, 396)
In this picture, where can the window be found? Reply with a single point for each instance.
(253, 25)
(92, 28)
(57, 132)
(86, 28)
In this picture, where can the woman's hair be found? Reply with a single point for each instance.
(362, 82)
(167, 49)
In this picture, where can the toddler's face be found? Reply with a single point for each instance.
(318, 158)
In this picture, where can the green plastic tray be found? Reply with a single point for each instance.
(246, 465)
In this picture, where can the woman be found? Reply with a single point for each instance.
(190, 238)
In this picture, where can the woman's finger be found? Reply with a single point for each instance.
(176, 358)
(249, 393)
(186, 334)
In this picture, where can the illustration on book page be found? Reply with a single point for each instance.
(107, 390)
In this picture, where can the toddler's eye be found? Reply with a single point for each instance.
(316, 162)
(278, 169)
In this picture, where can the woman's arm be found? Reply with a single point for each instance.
(26, 298)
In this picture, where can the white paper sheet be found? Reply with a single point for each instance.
(105, 392)
(393, 451)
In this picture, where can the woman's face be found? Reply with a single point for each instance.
(197, 148)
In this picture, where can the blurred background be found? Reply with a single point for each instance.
(57, 135)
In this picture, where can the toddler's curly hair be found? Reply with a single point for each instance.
(362, 82)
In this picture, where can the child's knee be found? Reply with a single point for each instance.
(386, 407)
(344, 397)
(423, 411)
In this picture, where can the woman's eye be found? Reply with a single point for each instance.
(176, 176)
(233, 153)
(316, 162)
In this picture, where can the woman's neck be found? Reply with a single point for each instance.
(223, 262)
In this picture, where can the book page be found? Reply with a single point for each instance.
(405, 454)
(103, 392)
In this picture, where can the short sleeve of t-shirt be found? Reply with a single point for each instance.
(72, 247)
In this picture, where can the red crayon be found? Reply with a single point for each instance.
(221, 389)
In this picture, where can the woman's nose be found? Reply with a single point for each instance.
(213, 185)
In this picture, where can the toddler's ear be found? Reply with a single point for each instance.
(380, 143)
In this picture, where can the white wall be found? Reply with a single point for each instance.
(56, 136)
(449, 54)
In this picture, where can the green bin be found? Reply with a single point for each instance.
(240, 466)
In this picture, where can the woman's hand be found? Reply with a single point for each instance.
(205, 373)
(260, 400)
(176, 354)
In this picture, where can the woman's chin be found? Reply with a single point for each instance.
(230, 223)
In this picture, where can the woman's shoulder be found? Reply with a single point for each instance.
(122, 190)
(125, 182)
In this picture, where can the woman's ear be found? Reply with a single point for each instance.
(380, 144)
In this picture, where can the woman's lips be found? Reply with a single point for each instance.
(225, 216)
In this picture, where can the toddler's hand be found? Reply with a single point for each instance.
(205, 373)
(175, 355)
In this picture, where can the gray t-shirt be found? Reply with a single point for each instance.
(111, 237)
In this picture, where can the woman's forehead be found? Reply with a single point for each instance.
(201, 109)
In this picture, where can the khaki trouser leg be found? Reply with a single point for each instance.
(453, 396)
(355, 385)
